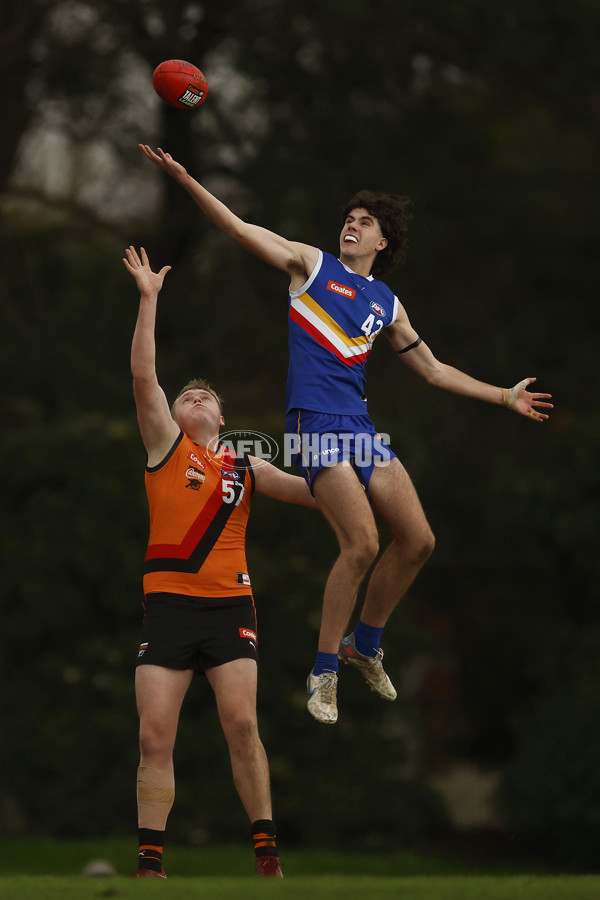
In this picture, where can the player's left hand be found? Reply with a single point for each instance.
(525, 402)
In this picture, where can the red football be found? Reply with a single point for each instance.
(180, 84)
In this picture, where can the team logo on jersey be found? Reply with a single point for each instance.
(247, 633)
(377, 308)
(193, 458)
(195, 478)
(341, 289)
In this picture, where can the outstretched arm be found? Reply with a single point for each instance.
(279, 485)
(417, 355)
(298, 260)
(157, 427)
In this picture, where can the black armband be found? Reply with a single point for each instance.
(411, 346)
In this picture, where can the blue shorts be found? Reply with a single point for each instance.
(319, 440)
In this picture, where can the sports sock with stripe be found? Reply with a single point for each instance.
(264, 835)
(367, 638)
(325, 662)
(151, 848)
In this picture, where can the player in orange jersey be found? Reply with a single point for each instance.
(199, 613)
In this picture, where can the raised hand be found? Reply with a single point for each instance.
(148, 282)
(164, 161)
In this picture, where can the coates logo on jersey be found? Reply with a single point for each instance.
(377, 308)
(192, 456)
(341, 289)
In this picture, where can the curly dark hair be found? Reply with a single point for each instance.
(392, 211)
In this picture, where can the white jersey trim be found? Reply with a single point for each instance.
(352, 272)
(311, 278)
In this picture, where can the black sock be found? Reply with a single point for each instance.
(264, 835)
(151, 849)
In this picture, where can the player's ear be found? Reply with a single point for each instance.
(382, 244)
(222, 421)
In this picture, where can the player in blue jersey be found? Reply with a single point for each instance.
(337, 309)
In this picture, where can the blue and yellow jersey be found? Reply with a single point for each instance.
(333, 320)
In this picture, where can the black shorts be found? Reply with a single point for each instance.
(181, 632)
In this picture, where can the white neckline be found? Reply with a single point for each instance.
(352, 272)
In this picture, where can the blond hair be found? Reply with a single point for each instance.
(197, 384)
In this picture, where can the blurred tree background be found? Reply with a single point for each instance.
(488, 115)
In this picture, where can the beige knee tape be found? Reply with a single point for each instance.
(155, 796)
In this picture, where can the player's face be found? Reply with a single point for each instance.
(360, 236)
(197, 407)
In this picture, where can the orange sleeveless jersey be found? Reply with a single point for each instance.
(199, 507)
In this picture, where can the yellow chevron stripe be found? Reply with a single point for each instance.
(332, 324)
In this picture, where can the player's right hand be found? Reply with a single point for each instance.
(164, 161)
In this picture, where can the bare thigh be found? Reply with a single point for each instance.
(159, 694)
(343, 501)
(394, 499)
(234, 685)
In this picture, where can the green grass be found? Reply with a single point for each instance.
(48, 869)
(48, 856)
(324, 887)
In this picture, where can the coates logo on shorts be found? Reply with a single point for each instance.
(263, 448)
(341, 289)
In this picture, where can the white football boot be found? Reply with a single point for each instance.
(370, 667)
(322, 701)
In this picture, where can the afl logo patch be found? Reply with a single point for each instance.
(341, 289)
(377, 308)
